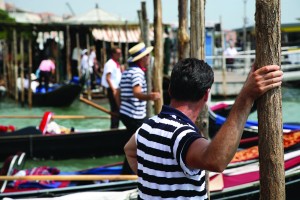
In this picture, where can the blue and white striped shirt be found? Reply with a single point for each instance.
(162, 144)
(130, 105)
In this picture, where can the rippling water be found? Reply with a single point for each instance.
(11, 108)
(290, 113)
(290, 105)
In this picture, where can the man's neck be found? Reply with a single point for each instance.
(115, 59)
(190, 109)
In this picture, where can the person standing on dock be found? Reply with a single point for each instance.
(230, 52)
(133, 91)
(75, 61)
(85, 69)
(167, 152)
(46, 68)
(93, 63)
(110, 80)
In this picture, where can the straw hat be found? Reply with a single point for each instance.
(138, 51)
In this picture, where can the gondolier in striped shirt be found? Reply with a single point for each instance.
(133, 90)
(168, 153)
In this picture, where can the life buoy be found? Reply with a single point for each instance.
(45, 120)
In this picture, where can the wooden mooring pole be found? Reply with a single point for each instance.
(78, 54)
(15, 65)
(197, 51)
(158, 54)
(183, 36)
(22, 69)
(126, 46)
(271, 154)
(145, 35)
(29, 72)
(68, 53)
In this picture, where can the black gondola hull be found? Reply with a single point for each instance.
(65, 146)
(62, 96)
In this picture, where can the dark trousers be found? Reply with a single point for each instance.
(229, 64)
(114, 121)
(44, 75)
(93, 78)
(74, 68)
(131, 125)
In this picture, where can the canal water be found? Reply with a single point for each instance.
(10, 107)
(290, 113)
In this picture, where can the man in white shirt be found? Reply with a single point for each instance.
(230, 53)
(85, 68)
(75, 61)
(93, 65)
(110, 80)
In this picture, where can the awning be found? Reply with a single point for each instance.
(119, 35)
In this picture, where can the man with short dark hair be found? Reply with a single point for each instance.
(167, 152)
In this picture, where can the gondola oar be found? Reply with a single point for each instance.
(54, 117)
(98, 106)
(70, 177)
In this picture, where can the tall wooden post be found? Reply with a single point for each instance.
(103, 50)
(197, 29)
(78, 55)
(126, 45)
(145, 24)
(183, 37)
(271, 154)
(15, 56)
(139, 12)
(119, 38)
(198, 51)
(197, 48)
(68, 53)
(57, 60)
(29, 71)
(5, 63)
(89, 89)
(224, 75)
(12, 69)
(158, 54)
(22, 70)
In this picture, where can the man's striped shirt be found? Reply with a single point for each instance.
(162, 144)
(130, 105)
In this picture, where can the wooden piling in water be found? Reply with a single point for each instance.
(271, 153)
(158, 55)
(22, 70)
(126, 45)
(15, 65)
(145, 34)
(197, 51)
(68, 52)
(78, 55)
(29, 72)
(183, 37)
